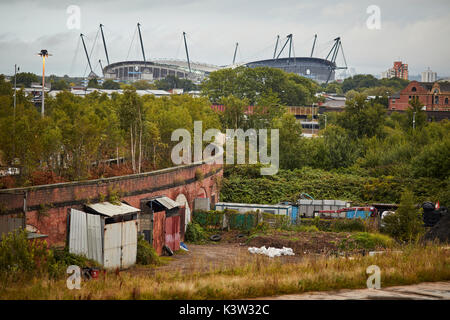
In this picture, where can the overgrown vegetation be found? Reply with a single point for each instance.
(367, 241)
(146, 254)
(406, 224)
(194, 233)
(260, 277)
(21, 258)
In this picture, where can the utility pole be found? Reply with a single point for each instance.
(14, 112)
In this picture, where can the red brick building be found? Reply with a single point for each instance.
(434, 96)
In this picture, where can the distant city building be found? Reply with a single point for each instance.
(434, 96)
(400, 70)
(429, 76)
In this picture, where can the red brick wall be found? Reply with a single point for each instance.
(47, 206)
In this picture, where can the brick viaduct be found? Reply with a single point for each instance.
(45, 207)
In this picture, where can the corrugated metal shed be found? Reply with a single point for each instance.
(111, 210)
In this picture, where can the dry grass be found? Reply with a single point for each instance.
(258, 277)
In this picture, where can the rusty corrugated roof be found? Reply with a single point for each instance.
(111, 210)
(167, 202)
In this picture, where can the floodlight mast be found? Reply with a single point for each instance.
(44, 54)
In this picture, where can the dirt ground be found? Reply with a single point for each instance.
(232, 250)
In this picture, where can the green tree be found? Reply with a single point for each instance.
(289, 138)
(362, 118)
(26, 78)
(233, 117)
(406, 224)
(252, 83)
(111, 85)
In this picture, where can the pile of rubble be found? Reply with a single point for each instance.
(271, 251)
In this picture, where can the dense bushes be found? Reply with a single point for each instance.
(406, 224)
(194, 233)
(243, 184)
(21, 258)
(368, 241)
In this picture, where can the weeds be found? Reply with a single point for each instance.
(259, 277)
(368, 241)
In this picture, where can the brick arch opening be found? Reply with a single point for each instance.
(183, 201)
(201, 193)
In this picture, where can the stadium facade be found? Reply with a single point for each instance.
(317, 69)
(130, 71)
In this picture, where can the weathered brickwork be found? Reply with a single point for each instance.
(46, 207)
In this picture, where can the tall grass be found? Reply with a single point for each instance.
(261, 276)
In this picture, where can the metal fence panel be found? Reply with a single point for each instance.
(78, 233)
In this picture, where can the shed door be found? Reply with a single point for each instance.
(158, 231)
(172, 232)
(112, 248)
(129, 243)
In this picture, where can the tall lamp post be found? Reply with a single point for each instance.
(44, 54)
(14, 112)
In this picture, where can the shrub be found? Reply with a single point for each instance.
(65, 258)
(22, 257)
(348, 225)
(146, 254)
(368, 241)
(406, 223)
(303, 228)
(194, 233)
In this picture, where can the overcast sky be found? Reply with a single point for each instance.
(414, 31)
